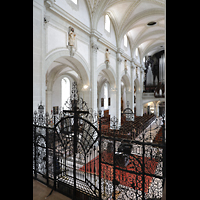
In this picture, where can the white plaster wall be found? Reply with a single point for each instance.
(83, 49)
(137, 58)
(80, 12)
(38, 89)
(108, 36)
(56, 92)
(129, 68)
(126, 49)
(100, 57)
(113, 60)
(55, 38)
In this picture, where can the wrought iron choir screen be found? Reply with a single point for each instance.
(75, 156)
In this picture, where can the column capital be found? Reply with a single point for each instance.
(133, 66)
(94, 47)
(119, 50)
(96, 33)
(119, 57)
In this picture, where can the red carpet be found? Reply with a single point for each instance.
(124, 178)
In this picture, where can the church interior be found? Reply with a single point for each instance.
(112, 53)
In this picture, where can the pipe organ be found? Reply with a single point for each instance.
(155, 71)
(162, 69)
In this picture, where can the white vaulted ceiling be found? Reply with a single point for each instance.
(131, 17)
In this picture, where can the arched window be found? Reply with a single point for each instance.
(75, 1)
(136, 52)
(65, 91)
(107, 23)
(125, 40)
(105, 96)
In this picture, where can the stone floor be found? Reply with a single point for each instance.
(40, 191)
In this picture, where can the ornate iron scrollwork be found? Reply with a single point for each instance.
(76, 156)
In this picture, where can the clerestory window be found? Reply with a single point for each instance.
(125, 40)
(107, 23)
(75, 1)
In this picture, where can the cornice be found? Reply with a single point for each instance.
(75, 22)
(126, 56)
(96, 33)
(107, 43)
(136, 63)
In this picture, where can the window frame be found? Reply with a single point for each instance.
(125, 36)
(73, 5)
(105, 23)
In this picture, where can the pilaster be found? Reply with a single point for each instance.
(113, 107)
(155, 108)
(132, 85)
(48, 101)
(118, 85)
(93, 66)
(139, 106)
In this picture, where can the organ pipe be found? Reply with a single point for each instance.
(149, 76)
(162, 69)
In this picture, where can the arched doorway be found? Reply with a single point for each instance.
(60, 68)
(125, 92)
(106, 90)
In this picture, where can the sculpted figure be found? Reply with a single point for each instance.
(125, 64)
(107, 55)
(72, 36)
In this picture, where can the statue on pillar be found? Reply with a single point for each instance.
(72, 36)
(136, 72)
(125, 66)
(107, 55)
(71, 41)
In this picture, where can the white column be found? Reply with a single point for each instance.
(132, 86)
(48, 101)
(128, 98)
(155, 109)
(38, 54)
(118, 86)
(85, 93)
(139, 105)
(113, 97)
(139, 109)
(93, 78)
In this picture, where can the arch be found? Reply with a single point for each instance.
(160, 101)
(77, 60)
(139, 40)
(127, 79)
(137, 84)
(110, 72)
(55, 74)
(148, 101)
(151, 47)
